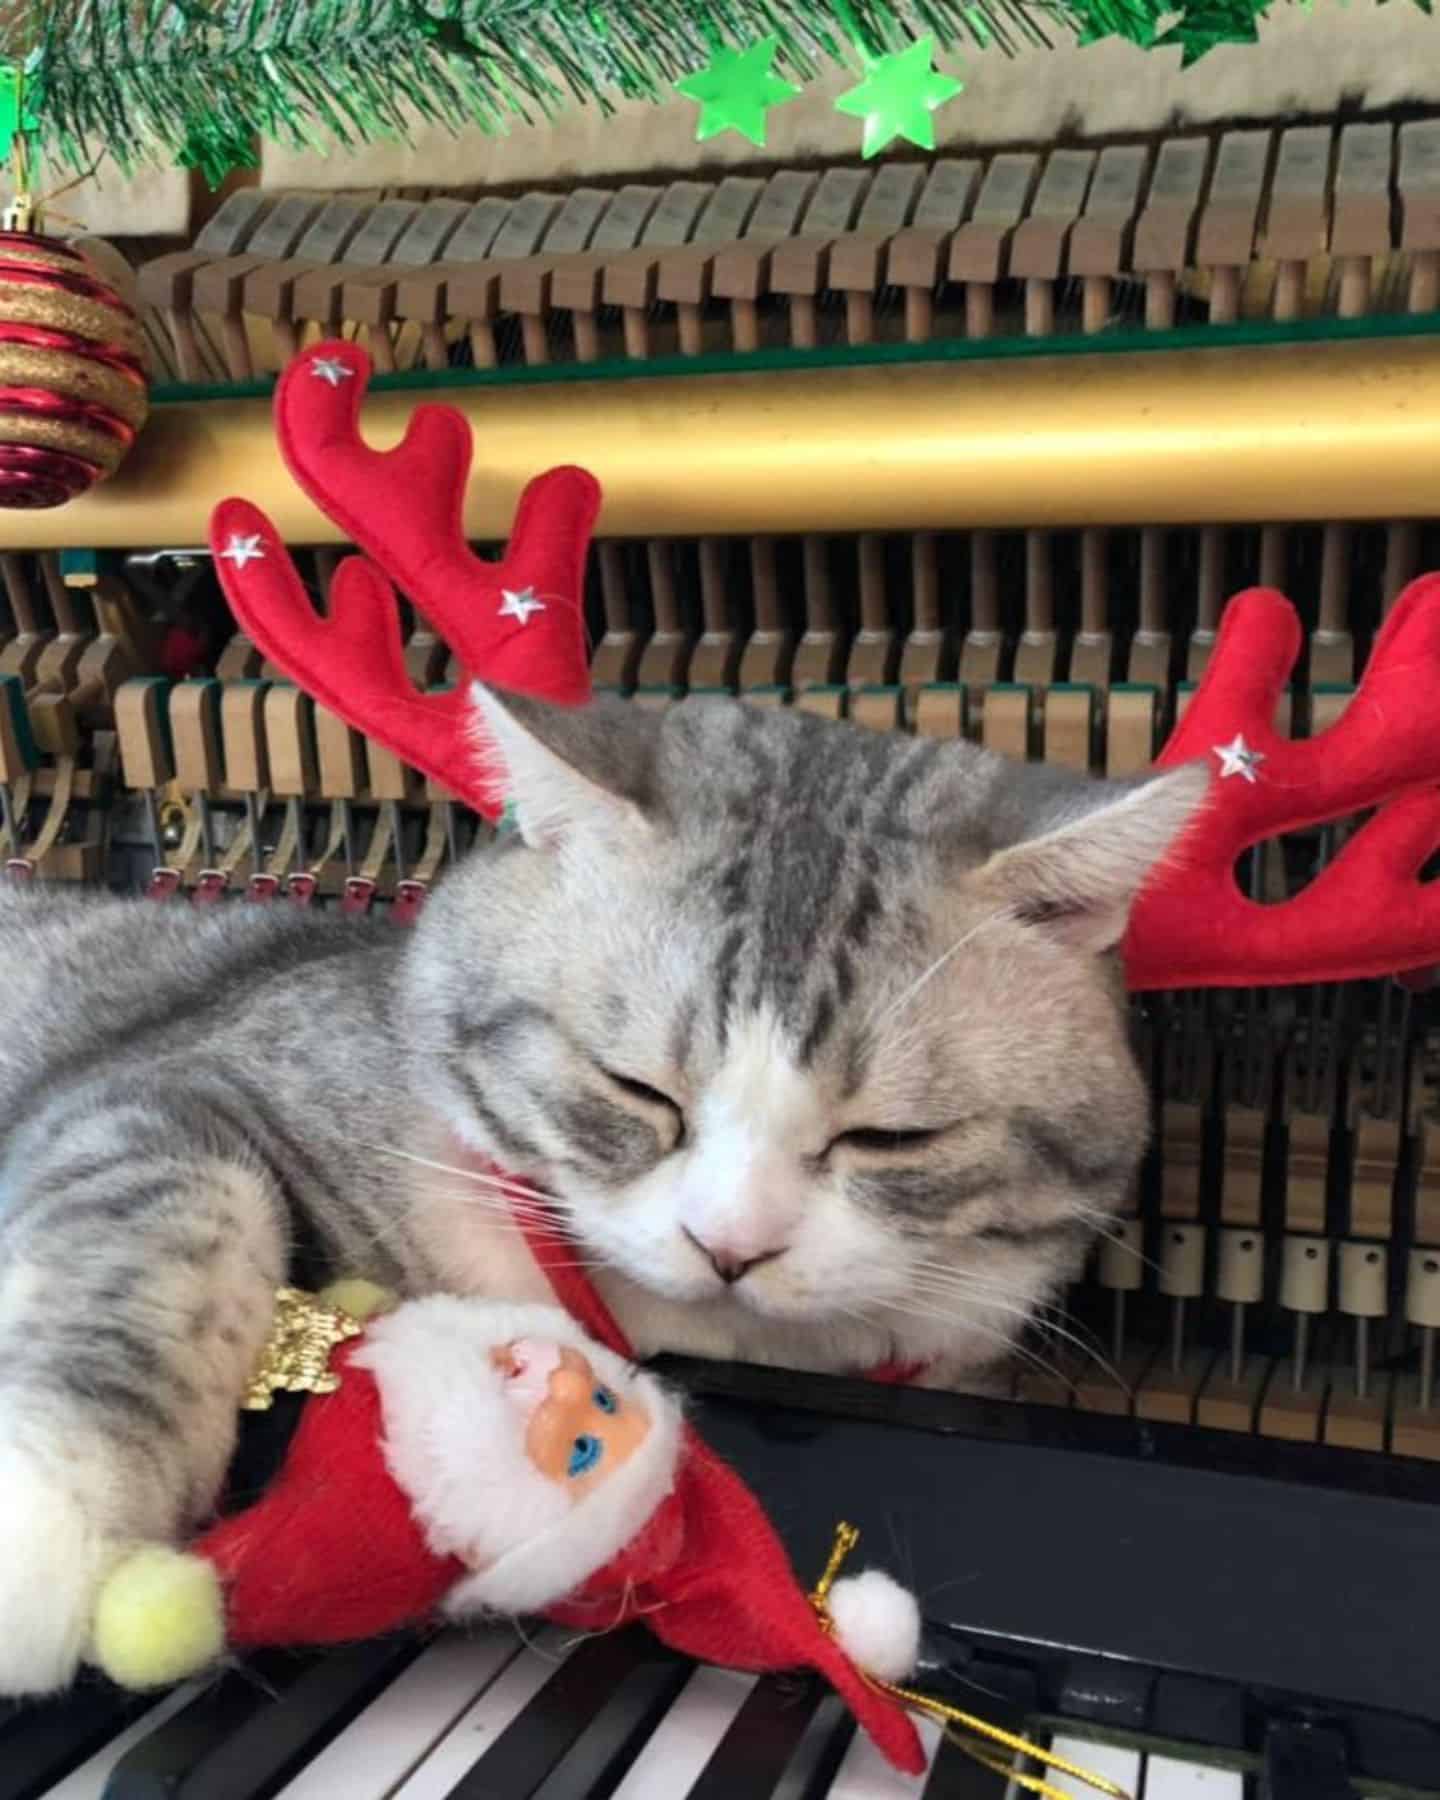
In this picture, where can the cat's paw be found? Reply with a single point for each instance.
(52, 1558)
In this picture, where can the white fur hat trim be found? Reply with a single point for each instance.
(476, 1498)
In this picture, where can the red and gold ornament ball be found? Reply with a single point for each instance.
(73, 386)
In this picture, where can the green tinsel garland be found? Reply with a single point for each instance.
(196, 80)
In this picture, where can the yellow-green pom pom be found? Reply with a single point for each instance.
(360, 1298)
(160, 1617)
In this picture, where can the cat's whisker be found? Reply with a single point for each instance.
(970, 1288)
(969, 1311)
(934, 1283)
(502, 1197)
(433, 1201)
(1012, 1346)
(509, 1184)
(1091, 1351)
(875, 1021)
(1041, 1319)
(1097, 1223)
(964, 1301)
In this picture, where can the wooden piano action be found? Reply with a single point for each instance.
(1239, 1409)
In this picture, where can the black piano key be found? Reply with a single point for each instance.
(1194, 1710)
(596, 1763)
(42, 1741)
(762, 1740)
(160, 1763)
(254, 1730)
(1305, 1761)
(956, 1776)
(532, 1745)
(819, 1753)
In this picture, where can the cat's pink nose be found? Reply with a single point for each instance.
(728, 1264)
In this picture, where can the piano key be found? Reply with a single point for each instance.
(687, 1737)
(955, 1775)
(821, 1750)
(393, 1734)
(611, 1740)
(1027, 1765)
(865, 1774)
(1112, 1761)
(531, 1745)
(41, 1742)
(761, 1745)
(484, 1722)
(239, 1741)
(88, 1781)
(157, 1762)
(1166, 1778)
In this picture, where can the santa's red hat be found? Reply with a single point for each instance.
(332, 1551)
(710, 1578)
(405, 1493)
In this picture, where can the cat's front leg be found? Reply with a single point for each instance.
(137, 1283)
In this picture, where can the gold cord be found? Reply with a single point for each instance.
(953, 1722)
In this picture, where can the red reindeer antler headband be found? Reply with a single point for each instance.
(1364, 915)
(518, 624)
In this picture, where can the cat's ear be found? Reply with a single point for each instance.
(1075, 865)
(562, 773)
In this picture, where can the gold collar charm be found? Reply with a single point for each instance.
(296, 1356)
(961, 1728)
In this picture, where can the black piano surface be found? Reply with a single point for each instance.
(1279, 1565)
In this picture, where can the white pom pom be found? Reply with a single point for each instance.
(877, 1624)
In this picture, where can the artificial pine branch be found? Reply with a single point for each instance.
(152, 79)
(198, 81)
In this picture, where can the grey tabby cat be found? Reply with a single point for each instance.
(810, 1032)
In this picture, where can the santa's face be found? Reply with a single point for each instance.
(580, 1429)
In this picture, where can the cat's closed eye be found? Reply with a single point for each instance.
(651, 1097)
(883, 1142)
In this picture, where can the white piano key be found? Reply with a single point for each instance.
(1167, 1779)
(1112, 1761)
(687, 1736)
(88, 1781)
(864, 1773)
(482, 1722)
(403, 1724)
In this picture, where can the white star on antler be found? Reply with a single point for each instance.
(241, 550)
(331, 369)
(520, 606)
(1237, 758)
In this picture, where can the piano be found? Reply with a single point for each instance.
(1193, 1545)
(1190, 1614)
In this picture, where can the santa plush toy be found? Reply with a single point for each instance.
(479, 1458)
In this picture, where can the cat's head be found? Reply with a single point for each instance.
(796, 1016)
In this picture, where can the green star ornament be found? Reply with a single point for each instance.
(736, 89)
(899, 95)
(15, 114)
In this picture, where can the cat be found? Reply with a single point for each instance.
(816, 1037)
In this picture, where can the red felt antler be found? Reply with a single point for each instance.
(1366, 914)
(516, 623)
